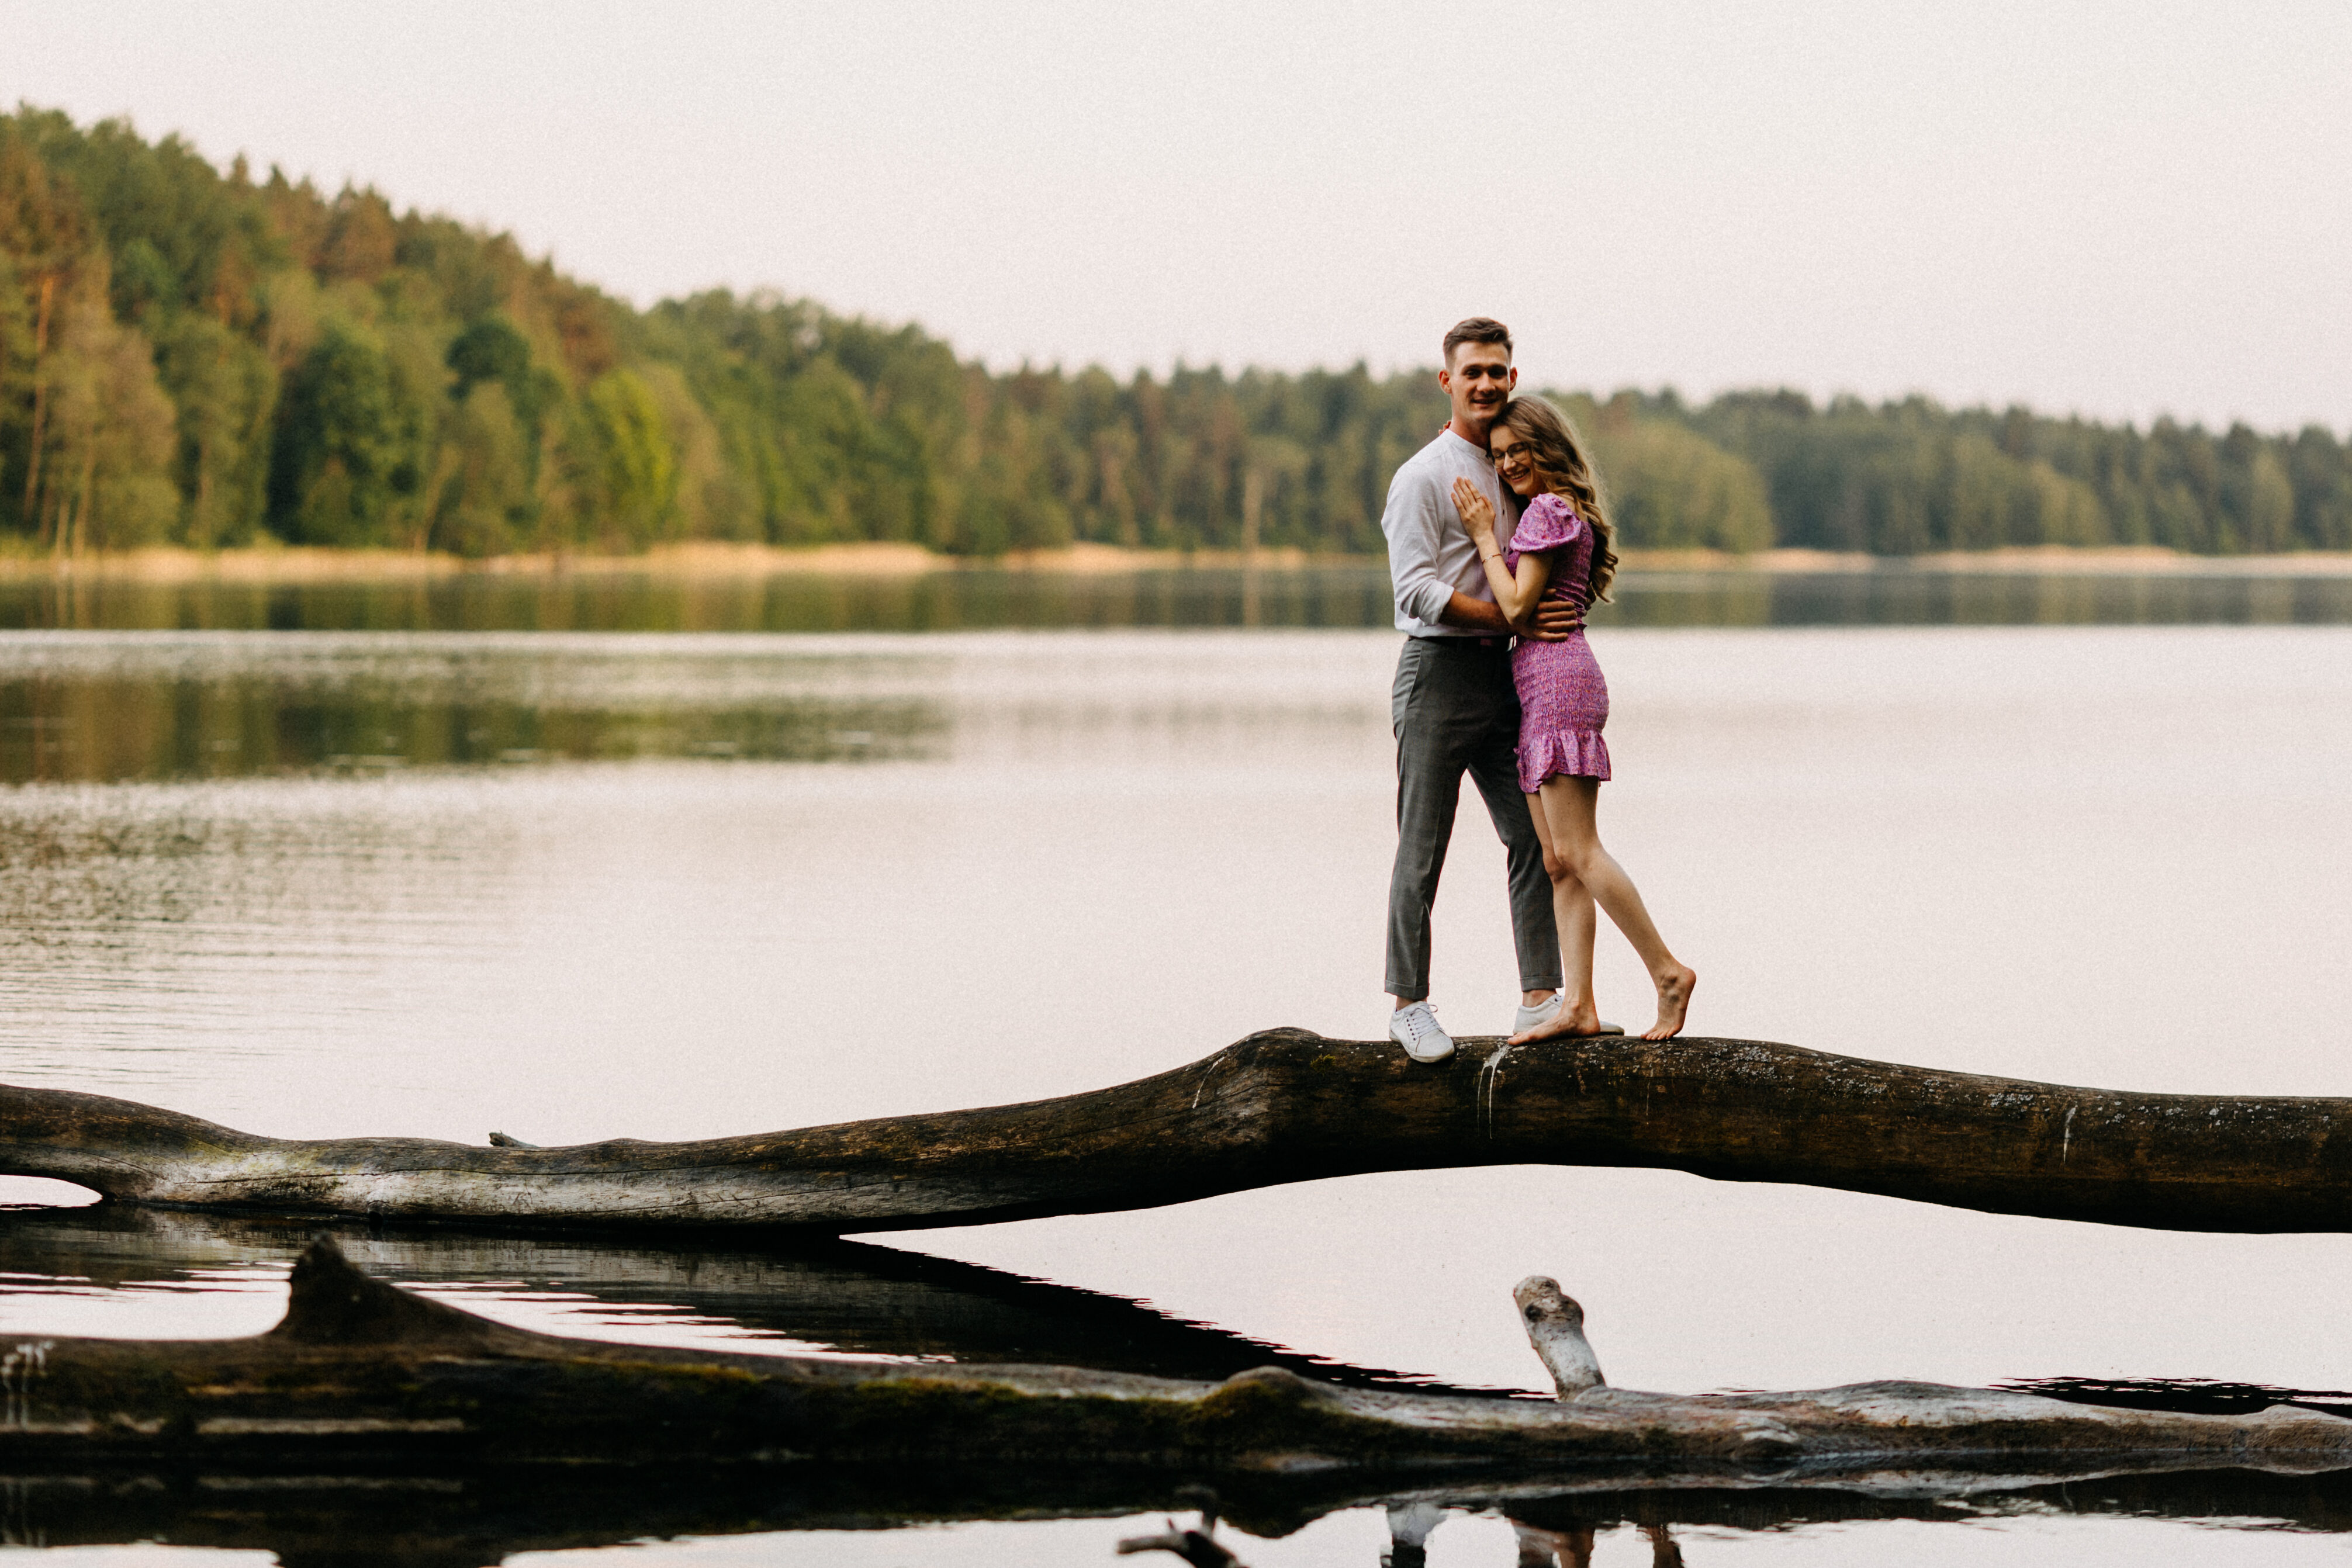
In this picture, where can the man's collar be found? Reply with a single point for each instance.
(1464, 439)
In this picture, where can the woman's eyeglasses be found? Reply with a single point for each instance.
(1516, 450)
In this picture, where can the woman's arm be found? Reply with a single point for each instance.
(1517, 596)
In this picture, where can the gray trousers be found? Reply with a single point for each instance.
(1454, 710)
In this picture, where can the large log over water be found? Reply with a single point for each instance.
(1287, 1106)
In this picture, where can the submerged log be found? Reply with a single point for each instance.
(362, 1376)
(1283, 1106)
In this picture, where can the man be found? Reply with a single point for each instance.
(1455, 708)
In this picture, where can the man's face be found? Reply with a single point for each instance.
(1478, 380)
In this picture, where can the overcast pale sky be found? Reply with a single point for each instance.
(2119, 209)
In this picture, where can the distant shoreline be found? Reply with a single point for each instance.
(299, 564)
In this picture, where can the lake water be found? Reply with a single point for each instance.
(1337, 597)
(670, 860)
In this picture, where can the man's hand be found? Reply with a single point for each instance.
(1555, 619)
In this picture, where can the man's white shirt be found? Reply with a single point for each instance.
(1431, 556)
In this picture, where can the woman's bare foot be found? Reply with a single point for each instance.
(1570, 1021)
(1674, 1002)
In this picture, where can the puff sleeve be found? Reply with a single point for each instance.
(1549, 523)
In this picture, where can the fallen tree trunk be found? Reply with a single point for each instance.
(361, 1377)
(1287, 1106)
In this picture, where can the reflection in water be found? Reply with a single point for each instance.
(129, 706)
(2194, 1396)
(1341, 596)
(1896, 597)
(849, 1299)
(464, 1519)
(977, 600)
(129, 1272)
(872, 1300)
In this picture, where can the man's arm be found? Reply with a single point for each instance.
(1554, 618)
(1411, 523)
(1475, 614)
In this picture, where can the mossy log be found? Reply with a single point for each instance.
(1287, 1106)
(361, 1375)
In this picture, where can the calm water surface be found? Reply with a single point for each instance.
(579, 885)
(1338, 597)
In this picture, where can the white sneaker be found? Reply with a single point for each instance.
(1415, 1027)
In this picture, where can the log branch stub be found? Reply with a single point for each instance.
(1287, 1106)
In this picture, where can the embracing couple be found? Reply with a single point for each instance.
(1497, 544)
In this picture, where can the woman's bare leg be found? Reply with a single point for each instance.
(1573, 839)
(1571, 908)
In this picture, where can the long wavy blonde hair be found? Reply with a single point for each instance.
(1562, 469)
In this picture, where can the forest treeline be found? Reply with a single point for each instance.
(200, 356)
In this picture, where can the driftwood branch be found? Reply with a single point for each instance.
(362, 1376)
(1287, 1106)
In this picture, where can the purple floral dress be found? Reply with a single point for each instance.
(1563, 700)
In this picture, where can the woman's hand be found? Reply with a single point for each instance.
(1478, 512)
(1518, 594)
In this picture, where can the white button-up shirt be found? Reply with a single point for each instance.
(1431, 556)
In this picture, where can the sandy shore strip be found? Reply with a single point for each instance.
(296, 564)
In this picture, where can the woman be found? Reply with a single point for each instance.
(1561, 550)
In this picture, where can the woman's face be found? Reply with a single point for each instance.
(1515, 458)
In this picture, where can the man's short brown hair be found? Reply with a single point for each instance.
(1476, 329)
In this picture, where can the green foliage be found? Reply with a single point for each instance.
(1668, 487)
(638, 471)
(226, 393)
(108, 439)
(339, 444)
(189, 354)
(1912, 476)
(483, 491)
(492, 348)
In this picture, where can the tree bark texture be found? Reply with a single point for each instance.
(1286, 1105)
